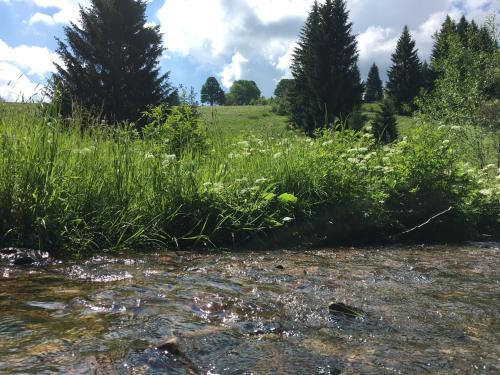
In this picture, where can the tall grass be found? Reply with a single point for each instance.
(73, 191)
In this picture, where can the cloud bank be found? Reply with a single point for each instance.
(245, 39)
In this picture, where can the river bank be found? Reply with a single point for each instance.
(78, 192)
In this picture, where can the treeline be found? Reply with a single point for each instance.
(111, 68)
(326, 85)
(242, 92)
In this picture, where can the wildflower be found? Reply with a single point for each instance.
(218, 186)
(149, 156)
(170, 157)
(486, 192)
(370, 155)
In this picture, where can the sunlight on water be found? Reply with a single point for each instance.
(415, 309)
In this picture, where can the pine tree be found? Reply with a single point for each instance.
(441, 43)
(374, 90)
(427, 77)
(111, 62)
(463, 30)
(405, 74)
(384, 125)
(212, 93)
(324, 66)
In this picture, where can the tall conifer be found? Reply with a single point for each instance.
(384, 125)
(324, 66)
(111, 61)
(374, 90)
(405, 73)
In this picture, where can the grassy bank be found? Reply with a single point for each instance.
(73, 192)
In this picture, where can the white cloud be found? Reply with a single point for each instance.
(42, 18)
(20, 67)
(232, 71)
(16, 86)
(376, 41)
(275, 10)
(67, 10)
(264, 31)
(32, 60)
(285, 61)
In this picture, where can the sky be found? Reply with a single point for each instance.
(227, 39)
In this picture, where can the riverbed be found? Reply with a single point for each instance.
(423, 309)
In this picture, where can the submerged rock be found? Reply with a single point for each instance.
(342, 310)
(171, 346)
(24, 261)
(23, 257)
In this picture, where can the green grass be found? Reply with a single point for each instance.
(76, 192)
(235, 121)
(405, 124)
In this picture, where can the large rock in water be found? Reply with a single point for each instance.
(23, 257)
(342, 310)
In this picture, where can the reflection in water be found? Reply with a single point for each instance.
(431, 309)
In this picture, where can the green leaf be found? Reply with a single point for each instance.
(287, 198)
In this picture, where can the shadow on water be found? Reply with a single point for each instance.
(392, 310)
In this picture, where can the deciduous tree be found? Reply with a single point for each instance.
(212, 93)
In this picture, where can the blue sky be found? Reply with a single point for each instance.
(228, 39)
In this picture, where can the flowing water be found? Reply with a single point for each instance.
(426, 310)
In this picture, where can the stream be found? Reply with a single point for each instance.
(423, 309)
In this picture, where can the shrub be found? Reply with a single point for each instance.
(176, 130)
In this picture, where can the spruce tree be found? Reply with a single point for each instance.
(384, 125)
(111, 62)
(427, 76)
(405, 74)
(212, 93)
(463, 30)
(374, 90)
(441, 39)
(324, 66)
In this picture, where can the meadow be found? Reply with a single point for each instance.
(250, 181)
